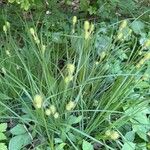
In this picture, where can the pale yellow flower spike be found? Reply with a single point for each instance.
(8, 24)
(92, 28)
(70, 106)
(38, 101)
(68, 79)
(147, 44)
(114, 135)
(87, 34)
(3, 70)
(37, 41)
(52, 109)
(43, 48)
(48, 112)
(32, 31)
(56, 115)
(88, 29)
(108, 133)
(8, 53)
(4, 28)
(86, 26)
(147, 56)
(74, 20)
(70, 68)
(120, 36)
(123, 24)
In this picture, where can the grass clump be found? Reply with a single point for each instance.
(81, 90)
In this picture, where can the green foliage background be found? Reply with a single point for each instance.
(111, 92)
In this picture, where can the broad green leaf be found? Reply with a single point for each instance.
(92, 10)
(18, 129)
(142, 118)
(60, 146)
(130, 136)
(141, 131)
(19, 141)
(102, 42)
(16, 143)
(2, 136)
(3, 127)
(142, 146)
(84, 4)
(56, 37)
(143, 85)
(63, 134)
(141, 125)
(122, 55)
(87, 146)
(73, 119)
(126, 34)
(137, 26)
(116, 67)
(78, 119)
(72, 137)
(25, 5)
(58, 140)
(3, 146)
(27, 139)
(128, 146)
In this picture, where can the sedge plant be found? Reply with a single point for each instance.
(65, 92)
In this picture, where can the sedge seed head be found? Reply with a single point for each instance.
(8, 53)
(70, 106)
(92, 27)
(18, 67)
(147, 44)
(140, 52)
(145, 77)
(120, 36)
(37, 41)
(147, 56)
(70, 68)
(68, 79)
(86, 26)
(114, 135)
(138, 66)
(74, 20)
(108, 133)
(56, 115)
(38, 101)
(3, 70)
(130, 31)
(4, 28)
(52, 109)
(87, 35)
(142, 61)
(148, 133)
(103, 54)
(32, 31)
(123, 24)
(8, 24)
(96, 62)
(48, 112)
(43, 48)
